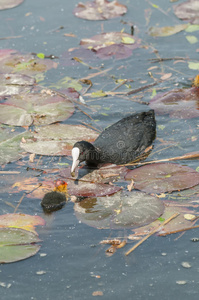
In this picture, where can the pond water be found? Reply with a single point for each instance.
(71, 264)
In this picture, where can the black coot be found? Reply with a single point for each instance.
(120, 143)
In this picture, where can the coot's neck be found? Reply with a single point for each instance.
(93, 156)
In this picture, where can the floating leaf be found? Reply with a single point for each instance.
(192, 28)
(98, 94)
(166, 31)
(163, 177)
(104, 174)
(11, 84)
(41, 55)
(129, 210)
(25, 64)
(179, 103)
(188, 11)
(17, 244)
(191, 39)
(67, 82)
(99, 10)
(22, 221)
(128, 40)
(193, 65)
(37, 109)
(10, 149)
(87, 189)
(57, 139)
(176, 224)
(6, 4)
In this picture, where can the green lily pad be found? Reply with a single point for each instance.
(17, 244)
(25, 64)
(10, 149)
(37, 109)
(163, 177)
(121, 210)
(57, 139)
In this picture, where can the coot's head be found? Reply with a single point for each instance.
(81, 152)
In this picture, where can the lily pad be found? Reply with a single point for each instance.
(57, 139)
(99, 10)
(121, 210)
(25, 64)
(115, 42)
(178, 223)
(163, 177)
(17, 244)
(37, 109)
(178, 103)
(6, 4)
(10, 149)
(167, 30)
(22, 221)
(88, 189)
(188, 11)
(12, 84)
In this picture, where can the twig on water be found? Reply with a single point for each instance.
(151, 233)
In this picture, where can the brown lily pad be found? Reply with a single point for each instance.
(163, 177)
(188, 11)
(179, 103)
(118, 44)
(88, 189)
(99, 10)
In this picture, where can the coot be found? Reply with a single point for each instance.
(120, 143)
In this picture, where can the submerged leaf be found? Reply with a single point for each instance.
(191, 39)
(163, 177)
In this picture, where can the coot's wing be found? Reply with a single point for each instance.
(125, 140)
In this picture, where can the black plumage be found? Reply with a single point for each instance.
(120, 143)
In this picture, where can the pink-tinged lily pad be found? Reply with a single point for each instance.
(163, 177)
(129, 210)
(37, 109)
(23, 221)
(25, 64)
(12, 84)
(6, 4)
(6, 53)
(57, 139)
(119, 44)
(179, 103)
(10, 149)
(188, 11)
(106, 173)
(88, 189)
(99, 10)
(17, 244)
